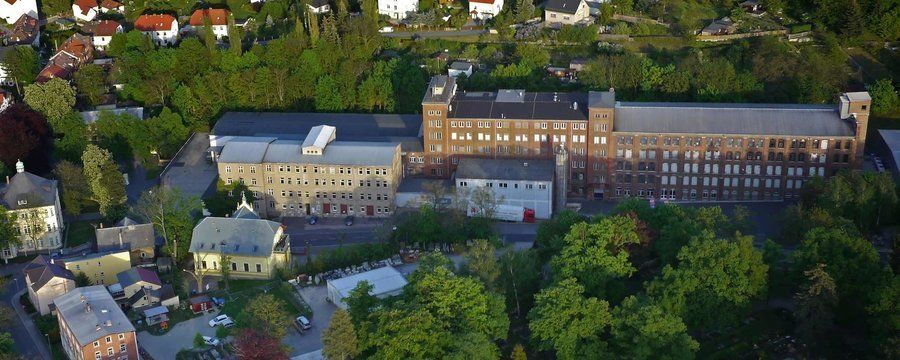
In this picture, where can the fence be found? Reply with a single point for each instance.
(714, 38)
(635, 19)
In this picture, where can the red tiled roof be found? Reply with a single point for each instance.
(52, 71)
(80, 46)
(86, 5)
(159, 22)
(11, 1)
(483, 1)
(106, 28)
(216, 17)
(110, 4)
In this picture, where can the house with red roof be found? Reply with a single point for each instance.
(102, 32)
(484, 9)
(25, 31)
(215, 18)
(85, 10)
(111, 6)
(161, 28)
(76, 51)
(12, 10)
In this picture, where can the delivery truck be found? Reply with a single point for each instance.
(506, 213)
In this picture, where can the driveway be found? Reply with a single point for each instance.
(322, 310)
(181, 336)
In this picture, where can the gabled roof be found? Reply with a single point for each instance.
(315, 4)
(157, 22)
(248, 237)
(24, 30)
(563, 6)
(27, 190)
(105, 28)
(127, 235)
(91, 313)
(215, 16)
(52, 71)
(134, 275)
(43, 269)
(79, 46)
(86, 5)
(110, 4)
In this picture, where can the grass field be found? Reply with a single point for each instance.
(79, 233)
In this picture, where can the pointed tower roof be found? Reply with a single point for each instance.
(244, 210)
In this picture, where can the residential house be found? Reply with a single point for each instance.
(101, 268)
(319, 6)
(156, 315)
(76, 51)
(148, 297)
(216, 18)
(92, 326)
(111, 6)
(200, 303)
(458, 68)
(138, 239)
(35, 203)
(85, 10)
(136, 278)
(12, 10)
(161, 28)
(566, 12)
(753, 8)
(25, 31)
(102, 32)
(397, 9)
(484, 9)
(254, 248)
(46, 280)
(723, 26)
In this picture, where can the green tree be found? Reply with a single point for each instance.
(172, 214)
(71, 137)
(520, 279)
(76, 193)
(518, 353)
(55, 7)
(328, 95)
(22, 64)
(884, 96)
(267, 314)
(105, 181)
(223, 203)
(360, 301)
(461, 303)
(524, 10)
(81, 279)
(413, 334)
(6, 346)
(339, 338)
(91, 83)
(595, 253)
(704, 293)
(816, 303)
(884, 319)
(199, 343)
(472, 346)
(551, 233)
(9, 235)
(482, 261)
(312, 27)
(643, 330)
(54, 99)
(566, 321)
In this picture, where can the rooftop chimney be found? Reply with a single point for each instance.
(575, 105)
(20, 166)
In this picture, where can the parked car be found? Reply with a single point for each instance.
(227, 323)
(312, 220)
(211, 341)
(301, 323)
(218, 320)
(348, 221)
(386, 29)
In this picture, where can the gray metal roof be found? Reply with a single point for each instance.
(91, 313)
(563, 6)
(134, 275)
(505, 169)
(730, 119)
(43, 269)
(400, 128)
(127, 235)
(289, 151)
(250, 237)
(461, 66)
(892, 140)
(524, 106)
(602, 99)
(444, 82)
(25, 186)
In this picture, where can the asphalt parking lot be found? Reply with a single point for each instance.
(181, 336)
(189, 171)
(311, 340)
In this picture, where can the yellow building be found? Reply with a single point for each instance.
(101, 268)
(254, 248)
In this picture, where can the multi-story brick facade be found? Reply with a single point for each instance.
(92, 326)
(678, 151)
(316, 176)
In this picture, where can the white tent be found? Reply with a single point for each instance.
(385, 282)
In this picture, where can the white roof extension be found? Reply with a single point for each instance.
(385, 280)
(318, 137)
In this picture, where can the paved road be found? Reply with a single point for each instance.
(433, 34)
(181, 336)
(138, 182)
(24, 344)
(189, 170)
(322, 310)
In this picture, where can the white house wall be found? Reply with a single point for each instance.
(517, 193)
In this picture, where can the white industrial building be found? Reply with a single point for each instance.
(526, 183)
(385, 281)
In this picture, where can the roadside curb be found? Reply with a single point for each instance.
(35, 335)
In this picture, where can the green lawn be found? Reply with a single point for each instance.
(79, 233)
(241, 291)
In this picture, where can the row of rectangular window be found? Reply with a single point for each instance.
(315, 169)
